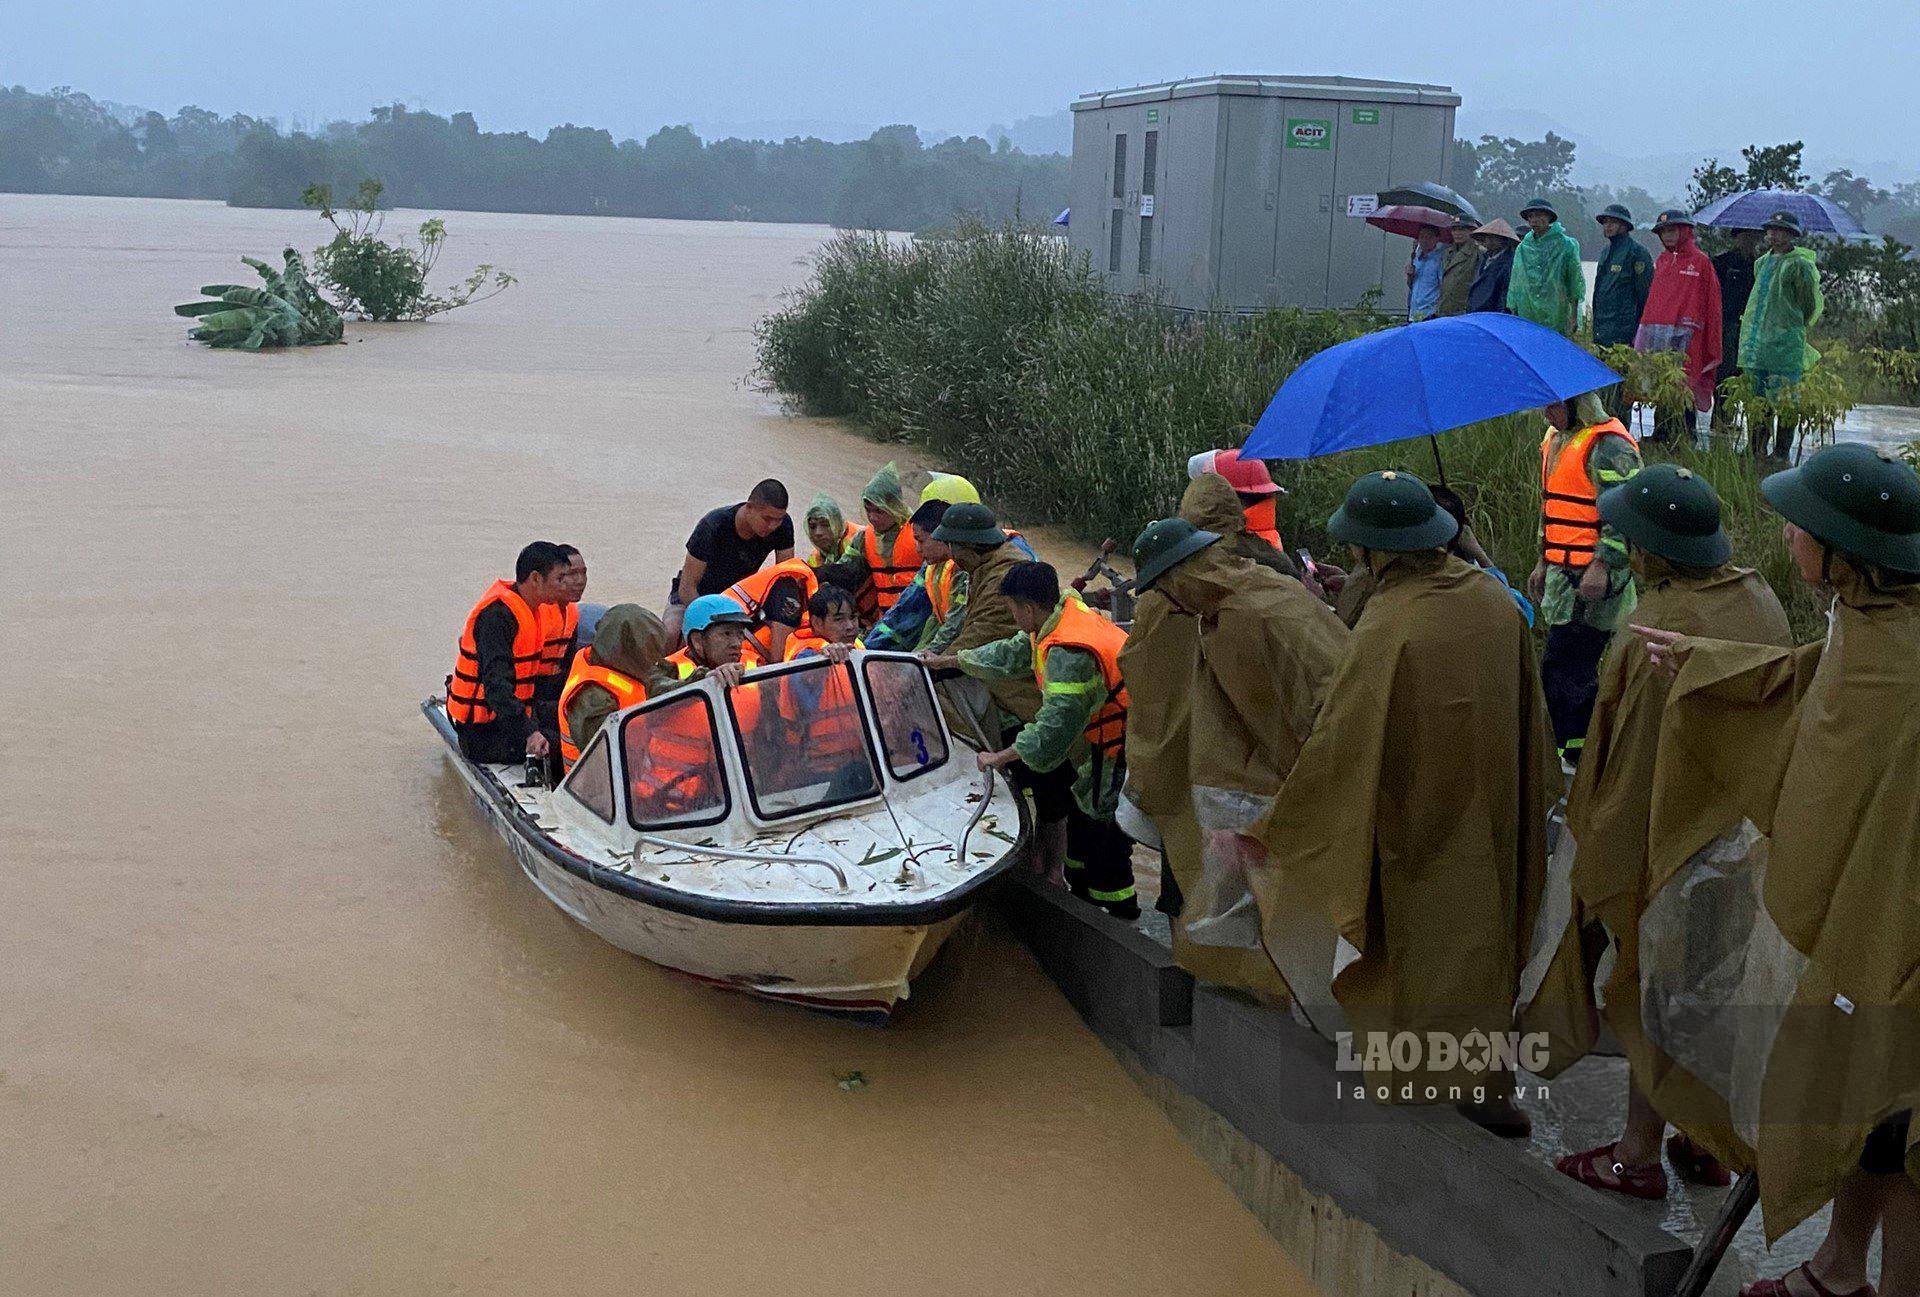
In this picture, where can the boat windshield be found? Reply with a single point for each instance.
(803, 741)
(911, 738)
(672, 758)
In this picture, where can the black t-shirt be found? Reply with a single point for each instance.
(717, 543)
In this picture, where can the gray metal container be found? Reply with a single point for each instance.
(1232, 193)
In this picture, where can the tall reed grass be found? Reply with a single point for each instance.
(1000, 351)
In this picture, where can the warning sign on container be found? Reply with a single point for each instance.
(1362, 204)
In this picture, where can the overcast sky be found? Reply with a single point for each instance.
(1627, 77)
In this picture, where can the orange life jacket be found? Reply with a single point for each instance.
(750, 592)
(828, 730)
(674, 767)
(625, 689)
(682, 661)
(889, 577)
(1570, 502)
(1262, 521)
(558, 623)
(466, 700)
(1080, 627)
(805, 639)
(672, 760)
(940, 588)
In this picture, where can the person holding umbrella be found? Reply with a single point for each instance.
(1620, 282)
(1495, 273)
(1786, 302)
(1461, 267)
(1547, 285)
(1683, 311)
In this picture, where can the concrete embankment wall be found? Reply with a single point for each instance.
(1393, 1201)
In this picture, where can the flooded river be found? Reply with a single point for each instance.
(277, 1013)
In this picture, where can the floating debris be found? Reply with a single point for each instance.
(852, 1080)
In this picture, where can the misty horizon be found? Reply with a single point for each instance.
(839, 71)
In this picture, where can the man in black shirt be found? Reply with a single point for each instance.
(1734, 267)
(562, 623)
(732, 542)
(490, 693)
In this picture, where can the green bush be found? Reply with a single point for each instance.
(1000, 351)
(378, 280)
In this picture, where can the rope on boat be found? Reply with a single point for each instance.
(986, 791)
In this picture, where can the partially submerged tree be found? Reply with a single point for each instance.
(378, 280)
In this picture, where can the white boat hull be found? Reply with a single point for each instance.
(857, 970)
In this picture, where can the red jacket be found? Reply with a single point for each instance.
(1685, 293)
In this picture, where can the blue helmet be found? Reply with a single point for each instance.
(711, 608)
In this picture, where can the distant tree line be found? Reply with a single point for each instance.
(66, 142)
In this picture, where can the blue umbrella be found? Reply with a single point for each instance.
(1753, 209)
(1420, 379)
(1061, 219)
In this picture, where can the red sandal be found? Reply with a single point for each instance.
(1597, 1169)
(1695, 1165)
(1778, 1287)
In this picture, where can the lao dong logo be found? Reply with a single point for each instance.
(1440, 1051)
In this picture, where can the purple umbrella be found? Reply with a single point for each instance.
(1753, 209)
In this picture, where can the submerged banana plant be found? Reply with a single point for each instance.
(286, 312)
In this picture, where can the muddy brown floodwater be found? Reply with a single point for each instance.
(277, 1013)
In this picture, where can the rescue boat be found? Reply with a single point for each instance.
(811, 835)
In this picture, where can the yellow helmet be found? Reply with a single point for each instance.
(949, 488)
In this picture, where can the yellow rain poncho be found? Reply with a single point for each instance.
(1817, 747)
(1416, 815)
(948, 488)
(1611, 803)
(1163, 668)
(1211, 505)
(1267, 651)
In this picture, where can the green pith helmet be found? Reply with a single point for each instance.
(1669, 511)
(1539, 205)
(1861, 501)
(1784, 221)
(1392, 511)
(1672, 216)
(970, 524)
(1613, 211)
(1163, 546)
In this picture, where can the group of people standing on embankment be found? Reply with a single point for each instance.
(1354, 777)
(1745, 311)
